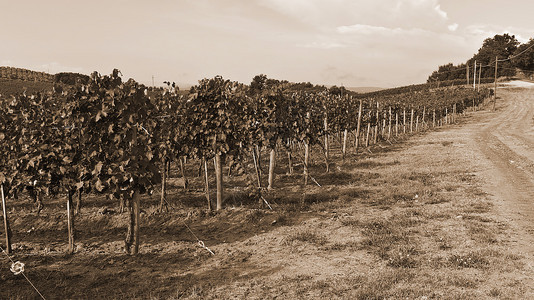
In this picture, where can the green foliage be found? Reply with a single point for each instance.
(71, 78)
(108, 135)
(215, 114)
(525, 56)
(500, 46)
(95, 135)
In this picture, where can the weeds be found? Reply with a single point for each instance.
(403, 257)
(462, 282)
(444, 244)
(480, 233)
(381, 286)
(478, 206)
(305, 236)
(254, 216)
(381, 236)
(470, 260)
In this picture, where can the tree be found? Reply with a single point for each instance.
(501, 46)
(258, 84)
(448, 72)
(525, 56)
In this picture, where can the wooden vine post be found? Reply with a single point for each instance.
(219, 179)
(377, 122)
(306, 161)
(384, 120)
(136, 203)
(70, 221)
(326, 144)
(258, 160)
(272, 164)
(358, 125)
(206, 180)
(389, 127)
(396, 124)
(423, 120)
(367, 135)
(163, 186)
(344, 149)
(256, 168)
(411, 122)
(7, 229)
(404, 121)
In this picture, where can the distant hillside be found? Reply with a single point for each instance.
(16, 86)
(364, 89)
(25, 74)
(15, 81)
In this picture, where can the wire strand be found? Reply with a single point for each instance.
(490, 64)
(23, 274)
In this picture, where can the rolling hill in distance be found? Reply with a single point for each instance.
(364, 89)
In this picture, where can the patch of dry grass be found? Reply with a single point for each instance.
(305, 236)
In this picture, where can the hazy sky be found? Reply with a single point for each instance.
(381, 43)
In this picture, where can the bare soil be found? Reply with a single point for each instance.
(445, 214)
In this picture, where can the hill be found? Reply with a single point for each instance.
(15, 81)
(17, 86)
(364, 89)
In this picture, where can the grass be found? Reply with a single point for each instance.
(463, 281)
(470, 260)
(305, 236)
(16, 86)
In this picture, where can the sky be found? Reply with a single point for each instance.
(354, 43)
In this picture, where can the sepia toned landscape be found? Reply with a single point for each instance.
(286, 174)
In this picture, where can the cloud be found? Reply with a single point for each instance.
(440, 12)
(322, 45)
(487, 31)
(325, 15)
(379, 30)
(453, 27)
(366, 29)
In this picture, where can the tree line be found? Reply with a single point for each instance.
(512, 56)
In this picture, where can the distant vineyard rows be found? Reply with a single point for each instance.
(108, 136)
(24, 74)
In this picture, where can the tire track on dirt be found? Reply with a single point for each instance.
(506, 142)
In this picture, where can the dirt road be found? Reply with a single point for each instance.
(506, 141)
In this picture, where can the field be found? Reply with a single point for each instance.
(16, 86)
(437, 215)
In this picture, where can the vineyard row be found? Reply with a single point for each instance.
(108, 136)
